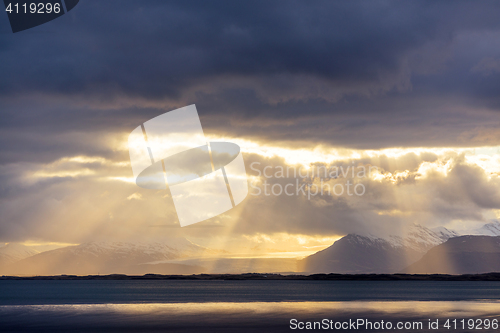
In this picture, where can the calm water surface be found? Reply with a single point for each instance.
(147, 291)
(236, 306)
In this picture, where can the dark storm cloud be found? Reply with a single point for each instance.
(358, 74)
(156, 48)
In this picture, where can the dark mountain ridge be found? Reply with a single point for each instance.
(461, 255)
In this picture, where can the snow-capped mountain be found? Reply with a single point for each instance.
(13, 252)
(111, 257)
(445, 233)
(420, 238)
(357, 254)
(173, 248)
(489, 229)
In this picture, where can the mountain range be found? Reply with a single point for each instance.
(171, 256)
(470, 254)
(359, 254)
(110, 257)
(417, 250)
(420, 250)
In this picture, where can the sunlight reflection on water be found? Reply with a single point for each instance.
(219, 317)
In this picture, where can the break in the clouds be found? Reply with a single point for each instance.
(86, 198)
(294, 83)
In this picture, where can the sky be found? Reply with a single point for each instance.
(408, 88)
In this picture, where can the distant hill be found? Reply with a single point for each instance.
(110, 257)
(13, 252)
(461, 255)
(357, 254)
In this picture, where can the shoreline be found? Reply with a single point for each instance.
(494, 276)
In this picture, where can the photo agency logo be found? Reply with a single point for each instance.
(311, 181)
(28, 14)
(205, 178)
